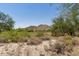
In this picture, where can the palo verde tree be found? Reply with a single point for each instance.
(68, 21)
(6, 22)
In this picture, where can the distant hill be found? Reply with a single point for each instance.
(42, 27)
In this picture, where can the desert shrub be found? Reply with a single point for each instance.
(76, 41)
(14, 36)
(8, 36)
(45, 38)
(61, 26)
(40, 34)
(64, 45)
(59, 48)
(68, 43)
(34, 41)
(77, 34)
(21, 36)
(19, 29)
(66, 22)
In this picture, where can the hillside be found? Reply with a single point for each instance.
(42, 27)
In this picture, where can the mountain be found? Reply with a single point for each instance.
(42, 27)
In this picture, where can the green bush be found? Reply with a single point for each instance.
(14, 36)
(40, 34)
(61, 26)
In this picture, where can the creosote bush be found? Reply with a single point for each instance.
(34, 41)
(19, 35)
(68, 43)
(63, 46)
(40, 34)
(14, 36)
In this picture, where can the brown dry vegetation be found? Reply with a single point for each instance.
(42, 46)
(37, 43)
(61, 38)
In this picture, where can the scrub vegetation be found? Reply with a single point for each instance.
(66, 26)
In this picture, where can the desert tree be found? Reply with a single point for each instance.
(68, 21)
(6, 22)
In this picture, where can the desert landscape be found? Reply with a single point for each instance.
(60, 38)
(54, 46)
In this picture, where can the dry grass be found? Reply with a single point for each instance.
(34, 41)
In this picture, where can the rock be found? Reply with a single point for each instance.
(32, 51)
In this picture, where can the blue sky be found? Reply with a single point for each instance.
(30, 14)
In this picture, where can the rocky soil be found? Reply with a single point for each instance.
(22, 49)
(46, 48)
